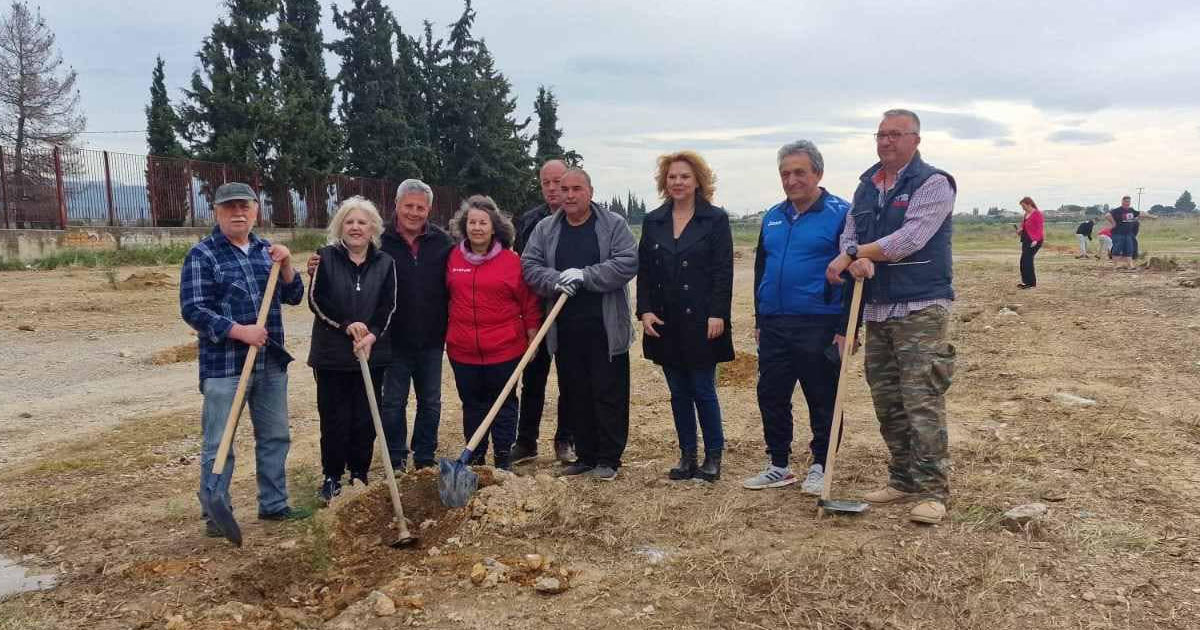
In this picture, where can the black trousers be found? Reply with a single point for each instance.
(533, 401)
(347, 431)
(1028, 275)
(594, 390)
(795, 349)
(478, 387)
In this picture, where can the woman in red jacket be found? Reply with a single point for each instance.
(1033, 234)
(493, 315)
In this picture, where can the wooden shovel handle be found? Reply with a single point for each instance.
(835, 433)
(235, 411)
(512, 380)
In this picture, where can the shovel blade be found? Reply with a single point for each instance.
(843, 506)
(456, 482)
(218, 508)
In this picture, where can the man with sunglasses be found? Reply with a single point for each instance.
(898, 236)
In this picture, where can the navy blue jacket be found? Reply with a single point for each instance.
(792, 254)
(927, 273)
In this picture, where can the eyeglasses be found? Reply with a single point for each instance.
(893, 135)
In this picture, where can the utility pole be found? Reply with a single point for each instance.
(1139, 206)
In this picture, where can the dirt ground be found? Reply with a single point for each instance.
(1083, 394)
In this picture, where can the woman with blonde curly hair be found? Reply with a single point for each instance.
(684, 292)
(353, 296)
(493, 315)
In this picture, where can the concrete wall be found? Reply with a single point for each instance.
(29, 245)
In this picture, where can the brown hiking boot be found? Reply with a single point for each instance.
(888, 494)
(929, 511)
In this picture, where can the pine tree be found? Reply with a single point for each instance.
(167, 176)
(231, 106)
(1185, 203)
(549, 135)
(483, 148)
(161, 119)
(379, 141)
(309, 144)
(38, 99)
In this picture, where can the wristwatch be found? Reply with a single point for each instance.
(852, 252)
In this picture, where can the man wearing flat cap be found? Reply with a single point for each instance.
(221, 287)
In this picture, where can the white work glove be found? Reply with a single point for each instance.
(571, 277)
(566, 289)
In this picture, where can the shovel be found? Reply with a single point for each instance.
(456, 481)
(825, 504)
(216, 503)
(404, 538)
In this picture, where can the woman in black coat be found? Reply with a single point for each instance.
(684, 291)
(353, 295)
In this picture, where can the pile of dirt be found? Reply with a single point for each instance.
(741, 372)
(144, 280)
(520, 503)
(175, 354)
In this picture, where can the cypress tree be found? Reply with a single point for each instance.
(167, 180)
(549, 135)
(309, 142)
(161, 119)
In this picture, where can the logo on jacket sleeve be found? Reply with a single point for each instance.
(901, 201)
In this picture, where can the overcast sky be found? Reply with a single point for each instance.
(1067, 101)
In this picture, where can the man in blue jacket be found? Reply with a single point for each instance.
(800, 317)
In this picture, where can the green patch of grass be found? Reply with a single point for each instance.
(305, 482)
(318, 550)
(976, 516)
(308, 241)
(131, 256)
(1099, 536)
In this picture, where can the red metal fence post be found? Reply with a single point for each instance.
(191, 200)
(153, 183)
(58, 189)
(112, 214)
(4, 189)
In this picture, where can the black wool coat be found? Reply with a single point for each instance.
(684, 282)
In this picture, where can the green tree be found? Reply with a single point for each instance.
(161, 119)
(1185, 203)
(549, 135)
(168, 178)
(231, 106)
(309, 143)
(380, 142)
(482, 145)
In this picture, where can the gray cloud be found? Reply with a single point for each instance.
(963, 126)
(748, 140)
(1076, 136)
(1004, 142)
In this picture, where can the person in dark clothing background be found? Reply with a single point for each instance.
(1083, 234)
(533, 380)
(799, 316)
(353, 296)
(1122, 220)
(684, 293)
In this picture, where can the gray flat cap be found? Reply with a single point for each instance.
(234, 191)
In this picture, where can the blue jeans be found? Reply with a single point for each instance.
(423, 369)
(694, 389)
(266, 396)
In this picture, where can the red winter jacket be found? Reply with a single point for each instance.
(490, 308)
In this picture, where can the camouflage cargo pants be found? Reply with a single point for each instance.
(909, 365)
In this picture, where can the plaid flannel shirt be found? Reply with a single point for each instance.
(220, 286)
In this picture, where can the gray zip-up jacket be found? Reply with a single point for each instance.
(610, 277)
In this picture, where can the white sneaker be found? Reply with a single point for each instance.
(814, 483)
(772, 477)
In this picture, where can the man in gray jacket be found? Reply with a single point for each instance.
(589, 254)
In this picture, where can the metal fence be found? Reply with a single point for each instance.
(58, 187)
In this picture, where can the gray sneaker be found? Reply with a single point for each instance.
(522, 453)
(578, 468)
(814, 483)
(564, 452)
(772, 477)
(602, 473)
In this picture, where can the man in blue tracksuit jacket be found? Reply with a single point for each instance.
(800, 317)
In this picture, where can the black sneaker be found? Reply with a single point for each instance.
(602, 473)
(522, 453)
(330, 488)
(578, 468)
(286, 514)
(212, 531)
(564, 452)
(418, 464)
(358, 477)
